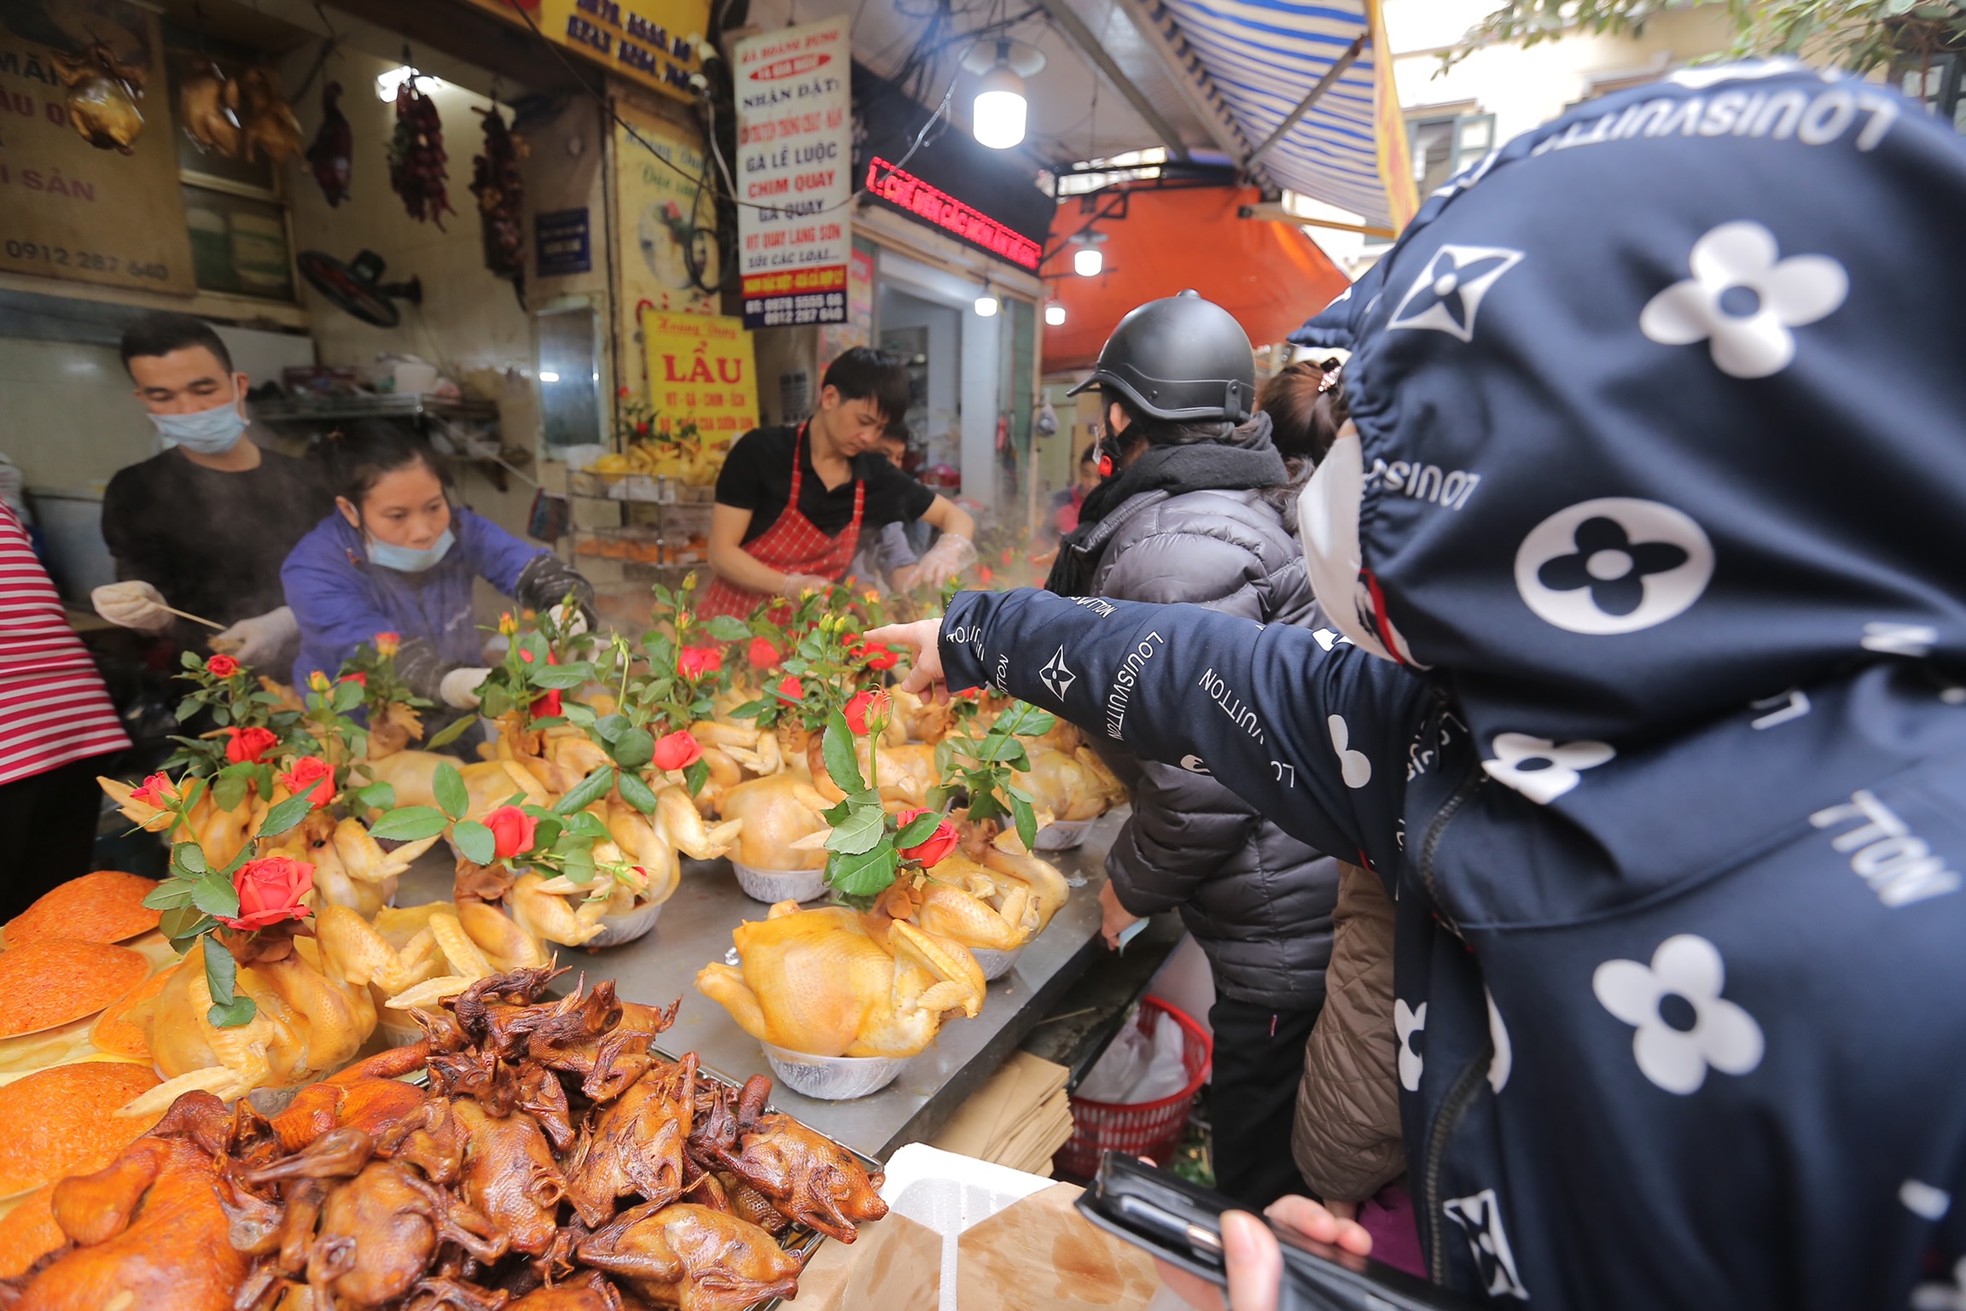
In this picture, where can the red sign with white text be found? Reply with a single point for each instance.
(913, 196)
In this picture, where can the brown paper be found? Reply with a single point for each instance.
(1040, 1254)
(896, 1263)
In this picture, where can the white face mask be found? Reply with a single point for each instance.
(1327, 523)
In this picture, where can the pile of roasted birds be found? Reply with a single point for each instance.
(552, 1160)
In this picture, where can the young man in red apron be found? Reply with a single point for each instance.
(793, 502)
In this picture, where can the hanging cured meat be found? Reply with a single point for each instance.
(102, 97)
(416, 156)
(332, 156)
(266, 119)
(208, 108)
(501, 193)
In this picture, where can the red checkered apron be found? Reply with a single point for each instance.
(791, 545)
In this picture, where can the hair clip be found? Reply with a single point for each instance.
(1329, 380)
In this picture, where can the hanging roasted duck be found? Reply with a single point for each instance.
(102, 97)
(332, 156)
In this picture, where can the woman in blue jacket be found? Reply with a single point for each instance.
(397, 557)
(1673, 816)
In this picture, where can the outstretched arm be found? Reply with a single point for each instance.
(1310, 731)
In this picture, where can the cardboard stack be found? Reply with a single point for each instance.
(1018, 1119)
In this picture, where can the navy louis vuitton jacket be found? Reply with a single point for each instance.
(1661, 486)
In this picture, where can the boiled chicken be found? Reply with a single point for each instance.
(102, 97)
(208, 110)
(778, 812)
(1072, 787)
(904, 773)
(489, 783)
(816, 981)
(271, 131)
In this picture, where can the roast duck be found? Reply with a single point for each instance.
(553, 1162)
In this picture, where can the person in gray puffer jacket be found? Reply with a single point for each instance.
(1188, 519)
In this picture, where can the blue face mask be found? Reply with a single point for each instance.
(407, 560)
(206, 432)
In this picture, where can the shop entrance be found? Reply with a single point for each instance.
(929, 337)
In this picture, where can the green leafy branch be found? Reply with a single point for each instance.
(980, 769)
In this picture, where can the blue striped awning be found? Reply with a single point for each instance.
(1257, 59)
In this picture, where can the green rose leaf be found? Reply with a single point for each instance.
(610, 727)
(562, 676)
(727, 628)
(409, 824)
(837, 750)
(634, 748)
(867, 874)
(188, 707)
(578, 715)
(189, 858)
(238, 1011)
(696, 775)
(1027, 822)
(578, 865)
(475, 841)
(858, 832)
(918, 830)
(169, 895)
(215, 896)
(287, 814)
(190, 661)
(452, 797)
(183, 922)
(637, 794)
(454, 730)
(377, 796)
(586, 792)
(345, 697)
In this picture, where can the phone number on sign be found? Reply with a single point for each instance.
(62, 257)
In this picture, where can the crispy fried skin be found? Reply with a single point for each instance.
(692, 1257)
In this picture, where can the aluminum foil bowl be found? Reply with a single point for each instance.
(1062, 835)
(625, 927)
(832, 1078)
(996, 964)
(398, 1029)
(775, 885)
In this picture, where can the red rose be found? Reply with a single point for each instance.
(677, 750)
(310, 774)
(271, 889)
(547, 705)
(622, 392)
(387, 643)
(696, 661)
(762, 654)
(248, 744)
(358, 679)
(868, 710)
(221, 666)
(880, 657)
(930, 850)
(512, 831)
(156, 791)
(984, 574)
(790, 689)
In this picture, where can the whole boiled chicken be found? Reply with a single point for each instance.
(102, 97)
(1072, 787)
(208, 110)
(777, 811)
(816, 981)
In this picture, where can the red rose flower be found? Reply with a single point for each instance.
(622, 392)
(271, 889)
(512, 831)
(387, 643)
(156, 790)
(762, 654)
(310, 774)
(677, 750)
(881, 657)
(358, 679)
(221, 666)
(789, 688)
(984, 574)
(248, 744)
(930, 850)
(869, 710)
(548, 704)
(696, 661)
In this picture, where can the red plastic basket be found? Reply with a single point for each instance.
(1150, 1129)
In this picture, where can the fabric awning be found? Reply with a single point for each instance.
(1269, 275)
(1260, 58)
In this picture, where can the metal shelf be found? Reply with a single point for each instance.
(384, 405)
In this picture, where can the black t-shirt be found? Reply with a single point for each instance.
(211, 542)
(757, 476)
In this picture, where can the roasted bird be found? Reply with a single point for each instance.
(635, 1145)
(267, 122)
(692, 1257)
(208, 109)
(102, 97)
(805, 1176)
(817, 982)
(510, 1176)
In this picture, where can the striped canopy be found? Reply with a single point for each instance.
(1257, 59)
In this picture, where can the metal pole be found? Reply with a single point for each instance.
(1324, 84)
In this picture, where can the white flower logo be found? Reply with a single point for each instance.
(1056, 677)
(1540, 769)
(1745, 299)
(1353, 766)
(1684, 1025)
(1406, 1023)
(1942, 1297)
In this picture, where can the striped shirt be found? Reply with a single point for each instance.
(54, 708)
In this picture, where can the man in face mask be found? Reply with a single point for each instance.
(202, 526)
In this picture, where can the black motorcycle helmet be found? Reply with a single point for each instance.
(1181, 359)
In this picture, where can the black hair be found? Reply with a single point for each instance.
(1305, 410)
(166, 331)
(362, 451)
(896, 431)
(864, 373)
(1144, 427)
(1090, 455)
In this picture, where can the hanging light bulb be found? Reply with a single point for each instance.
(1054, 314)
(986, 306)
(996, 116)
(1088, 260)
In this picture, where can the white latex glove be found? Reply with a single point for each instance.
(948, 557)
(260, 639)
(460, 687)
(572, 621)
(135, 605)
(797, 585)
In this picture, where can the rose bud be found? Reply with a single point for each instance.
(868, 711)
(512, 831)
(677, 750)
(221, 666)
(310, 774)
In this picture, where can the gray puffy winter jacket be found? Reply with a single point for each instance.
(1258, 901)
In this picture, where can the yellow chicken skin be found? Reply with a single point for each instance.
(778, 811)
(815, 981)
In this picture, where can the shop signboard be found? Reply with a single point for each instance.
(702, 367)
(858, 330)
(65, 205)
(938, 208)
(653, 42)
(563, 243)
(795, 173)
(668, 250)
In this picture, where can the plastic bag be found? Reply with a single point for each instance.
(1139, 1065)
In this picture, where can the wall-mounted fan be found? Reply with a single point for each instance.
(357, 286)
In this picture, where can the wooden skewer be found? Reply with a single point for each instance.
(196, 619)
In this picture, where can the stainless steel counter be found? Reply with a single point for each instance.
(695, 929)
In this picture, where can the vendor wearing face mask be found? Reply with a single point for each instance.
(794, 503)
(396, 556)
(202, 526)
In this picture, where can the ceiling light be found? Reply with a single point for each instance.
(386, 83)
(998, 114)
(1054, 314)
(986, 306)
(1087, 261)
(547, 375)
